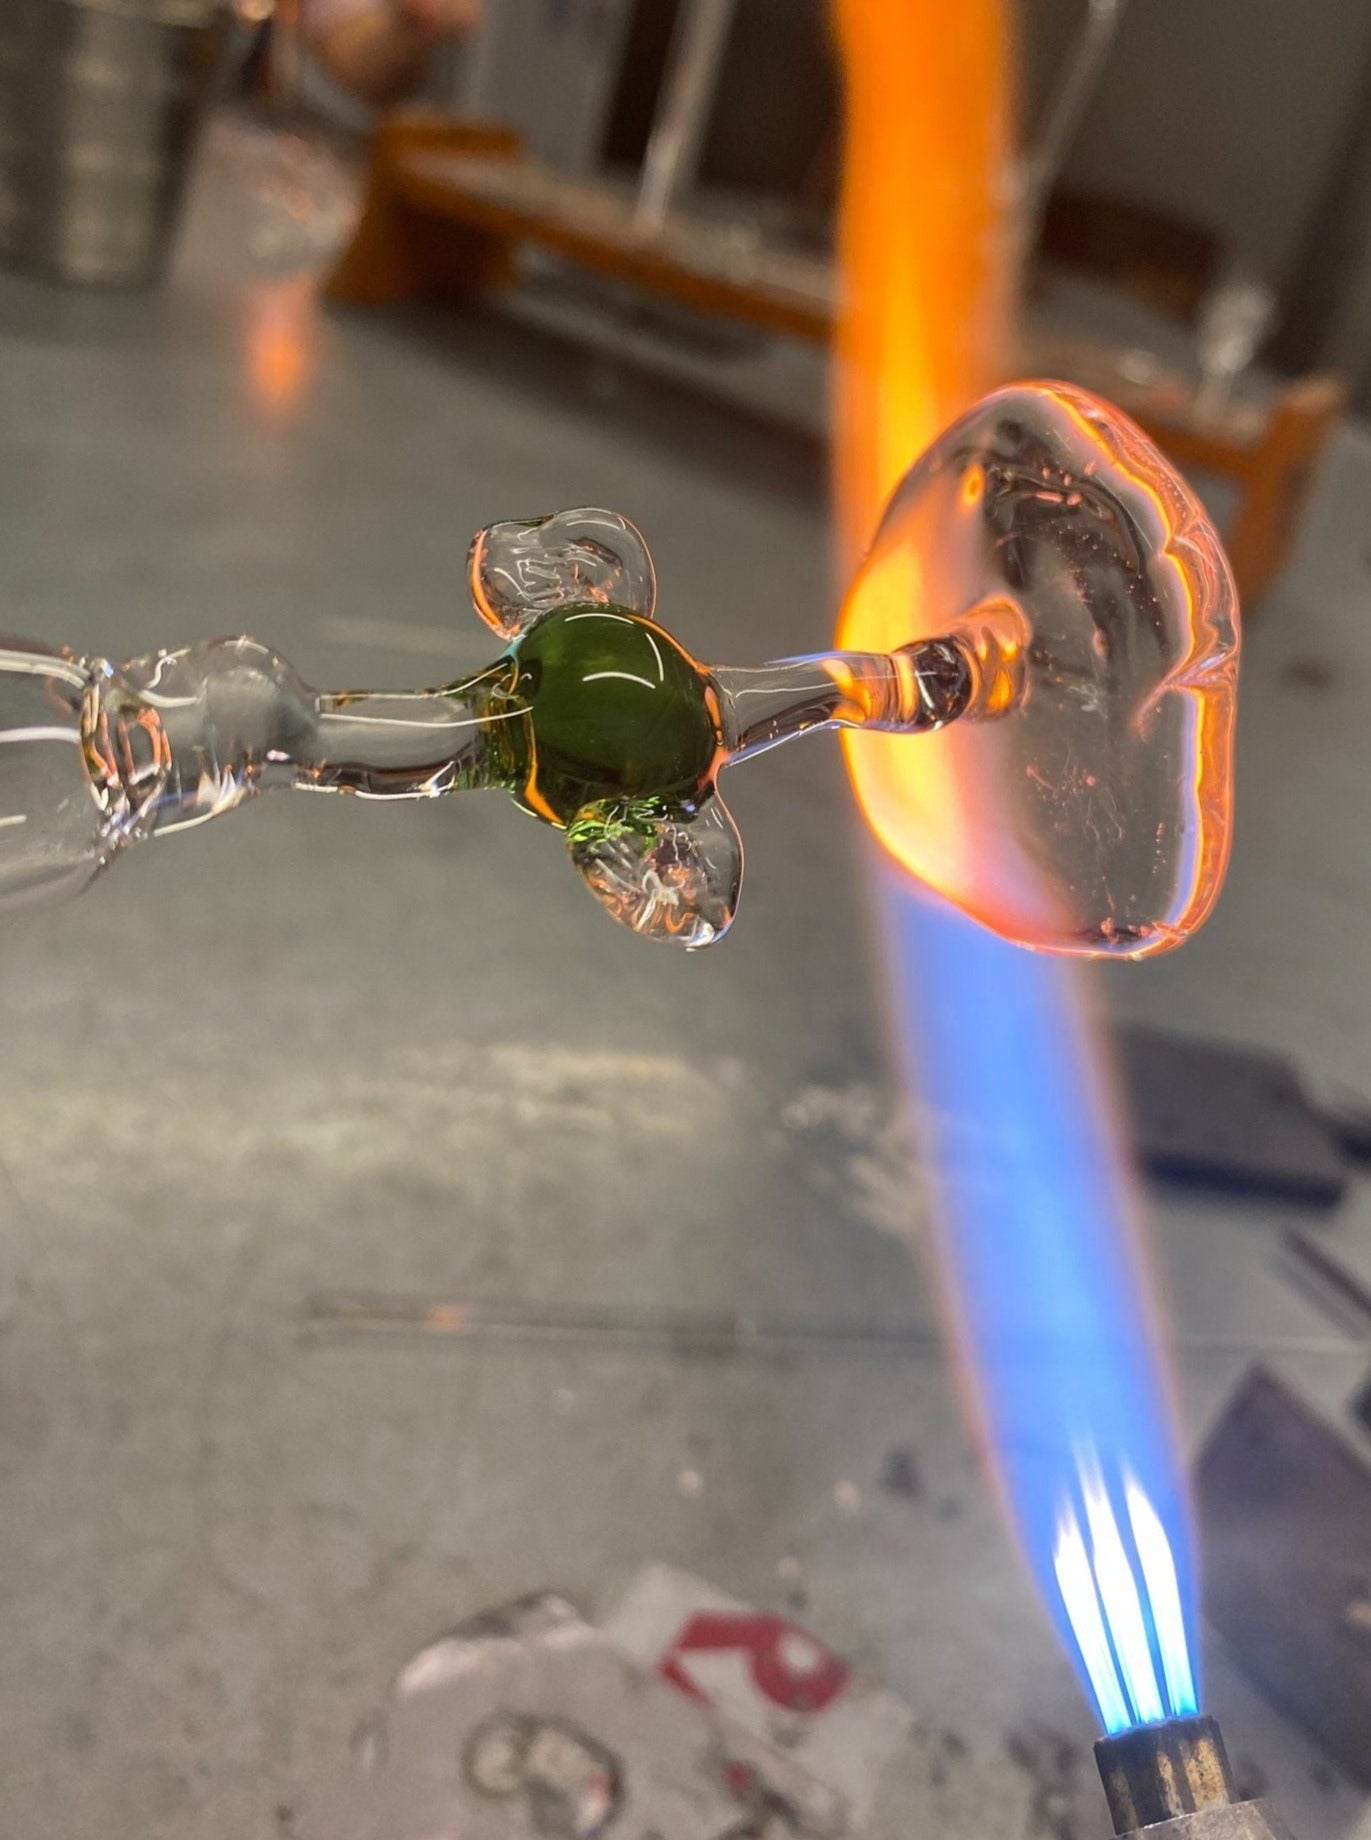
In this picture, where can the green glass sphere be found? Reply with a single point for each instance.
(616, 712)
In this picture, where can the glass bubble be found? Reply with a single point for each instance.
(1094, 813)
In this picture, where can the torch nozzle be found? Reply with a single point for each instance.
(1172, 1781)
(1158, 1772)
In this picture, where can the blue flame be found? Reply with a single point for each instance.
(1048, 1297)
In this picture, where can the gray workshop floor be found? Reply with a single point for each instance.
(324, 1048)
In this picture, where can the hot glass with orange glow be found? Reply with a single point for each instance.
(1089, 808)
(1042, 587)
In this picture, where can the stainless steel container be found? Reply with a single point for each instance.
(100, 106)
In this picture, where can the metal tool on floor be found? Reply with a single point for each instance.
(1284, 1505)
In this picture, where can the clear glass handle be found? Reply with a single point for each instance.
(52, 834)
(95, 756)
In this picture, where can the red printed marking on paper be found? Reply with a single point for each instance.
(787, 1665)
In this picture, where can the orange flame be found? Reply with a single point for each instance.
(925, 268)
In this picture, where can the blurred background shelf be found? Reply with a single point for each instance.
(450, 205)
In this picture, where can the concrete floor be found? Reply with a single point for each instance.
(324, 1047)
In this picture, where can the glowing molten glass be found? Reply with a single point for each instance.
(1046, 529)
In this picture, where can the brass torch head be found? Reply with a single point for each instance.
(1172, 1782)
(1158, 1772)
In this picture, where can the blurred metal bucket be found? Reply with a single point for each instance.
(100, 105)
